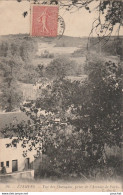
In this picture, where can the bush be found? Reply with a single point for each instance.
(47, 54)
(3, 170)
(44, 168)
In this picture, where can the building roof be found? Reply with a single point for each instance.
(8, 118)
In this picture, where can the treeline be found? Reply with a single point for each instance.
(16, 55)
(107, 46)
(17, 47)
(20, 51)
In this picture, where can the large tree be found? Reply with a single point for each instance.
(60, 67)
(15, 68)
(11, 96)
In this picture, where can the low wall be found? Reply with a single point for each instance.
(29, 174)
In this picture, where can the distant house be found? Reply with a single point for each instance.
(13, 161)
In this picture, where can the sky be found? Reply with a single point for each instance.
(77, 24)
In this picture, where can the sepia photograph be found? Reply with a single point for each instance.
(61, 66)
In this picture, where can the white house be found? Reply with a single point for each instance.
(12, 159)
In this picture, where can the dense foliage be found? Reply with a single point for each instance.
(76, 120)
(14, 57)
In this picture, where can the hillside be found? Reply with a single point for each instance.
(64, 41)
(25, 59)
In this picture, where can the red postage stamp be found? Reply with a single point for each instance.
(44, 20)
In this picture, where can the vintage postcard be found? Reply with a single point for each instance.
(61, 64)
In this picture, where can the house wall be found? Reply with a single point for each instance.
(14, 153)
